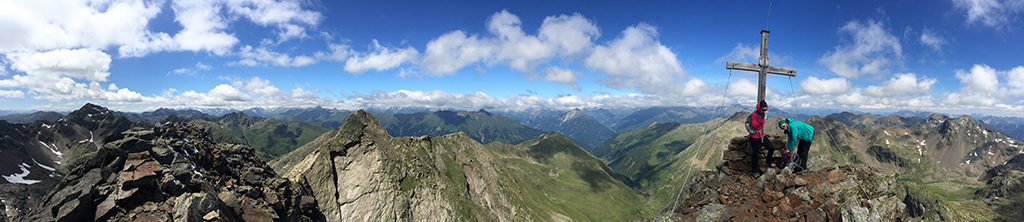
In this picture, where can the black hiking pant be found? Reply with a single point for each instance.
(802, 147)
(755, 153)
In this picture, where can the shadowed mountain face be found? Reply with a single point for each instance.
(33, 157)
(359, 172)
(577, 124)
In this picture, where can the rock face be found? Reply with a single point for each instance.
(844, 193)
(360, 173)
(174, 173)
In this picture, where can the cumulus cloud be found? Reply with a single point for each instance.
(54, 75)
(831, 86)
(47, 25)
(636, 59)
(88, 64)
(562, 76)
(454, 50)
(253, 56)
(981, 86)
(380, 58)
(205, 25)
(508, 44)
(992, 13)
(901, 85)
(743, 87)
(871, 49)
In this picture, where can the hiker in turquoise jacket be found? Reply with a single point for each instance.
(800, 136)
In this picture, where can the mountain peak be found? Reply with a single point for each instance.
(358, 124)
(90, 108)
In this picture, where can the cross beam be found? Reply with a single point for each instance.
(762, 68)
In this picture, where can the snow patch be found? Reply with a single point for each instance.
(53, 149)
(51, 169)
(990, 153)
(886, 141)
(985, 132)
(47, 126)
(886, 133)
(20, 177)
(968, 162)
(922, 142)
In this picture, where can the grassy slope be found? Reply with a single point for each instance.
(551, 173)
(661, 159)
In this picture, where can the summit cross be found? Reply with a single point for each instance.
(762, 67)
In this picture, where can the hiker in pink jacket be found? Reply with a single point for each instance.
(755, 126)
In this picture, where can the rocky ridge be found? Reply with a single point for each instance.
(361, 173)
(845, 193)
(174, 173)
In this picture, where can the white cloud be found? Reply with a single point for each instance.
(993, 13)
(982, 86)
(741, 53)
(287, 16)
(54, 75)
(228, 93)
(571, 34)
(261, 87)
(338, 53)
(743, 87)
(450, 52)
(636, 59)
(205, 25)
(562, 35)
(831, 86)
(931, 40)
(12, 93)
(380, 58)
(981, 78)
(88, 64)
(562, 76)
(902, 85)
(190, 71)
(251, 56)
(47, 25)
(872, 49)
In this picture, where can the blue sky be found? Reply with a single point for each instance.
(959, 56)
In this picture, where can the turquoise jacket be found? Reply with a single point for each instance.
(797, 131)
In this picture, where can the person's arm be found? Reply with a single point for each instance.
(791, 142)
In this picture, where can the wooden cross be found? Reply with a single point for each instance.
(762, 67)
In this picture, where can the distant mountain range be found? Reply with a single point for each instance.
(580, 164)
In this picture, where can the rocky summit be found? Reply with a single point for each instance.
(174, 173)
(846, 193)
